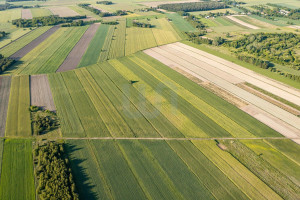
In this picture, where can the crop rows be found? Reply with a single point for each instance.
(17, 181)
(92, 54)
(105, 49)
(18, 116)
(117, 47)
(4, 98)
(49, 55)
(180, 23)
(20, 43)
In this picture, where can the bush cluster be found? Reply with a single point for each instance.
(45, 21)
(255, 61)
(104, 2)
(140, 24)
(54, 176)
(194, 6)
(5, 63)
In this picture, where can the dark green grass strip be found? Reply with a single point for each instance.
(17, 181)
(92, 54)
(180, 23)
(251, 124)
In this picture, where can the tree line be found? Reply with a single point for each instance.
(194, 6)
(141, 24)
(5, 63)
(54, 175)
(44, 21)
(277, 47)
(100, 13)
(104, 2)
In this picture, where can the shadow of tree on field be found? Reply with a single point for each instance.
(84, 188)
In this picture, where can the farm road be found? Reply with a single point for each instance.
(74, 57)
(22, 52)
(232, 17)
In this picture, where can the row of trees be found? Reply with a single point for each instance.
(281, 48)
(5, 63)
(7, 6)
(45, 21)
(101, 14)
(194, 6)
(277, 11)
(22, 0)
(255, 61)
(54, 175)
(105, 2)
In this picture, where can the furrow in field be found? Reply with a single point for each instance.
(197, 69)
(4, 98)
(77, 52)
(40, 92)
(26, 49)
(245, 74)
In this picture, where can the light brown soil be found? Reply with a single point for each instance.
(241, 22)
(269, 99)
(4, 98)
(200, 68)
(40, 92)
(26, 14)
(63, 11)
(78, 51)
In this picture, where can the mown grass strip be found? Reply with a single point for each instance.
(17, 181)
(92, 54)
(18, 116)
(89, 117)
(70, 123)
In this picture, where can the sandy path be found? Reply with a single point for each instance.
(22, 52)
(26, 14)
(252, 77)
(63, 11)
(79, 49)
(4, 98)
(40, 92)
(241, 22)
(198, 69)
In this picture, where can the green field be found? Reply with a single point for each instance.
(93, 52)
(18, 116)
(180, 23)
(17, 180)
(19, 44)
(117, 47)
(40, 12)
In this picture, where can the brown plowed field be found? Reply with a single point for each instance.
(202, 67)
(22, 52)
(40, 92)
(4, 98)
(78, 51)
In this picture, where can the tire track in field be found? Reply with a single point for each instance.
(26, 49)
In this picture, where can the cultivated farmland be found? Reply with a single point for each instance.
(4, 98)
(63, 11)
(26, 14)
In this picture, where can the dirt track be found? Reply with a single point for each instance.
(22, 52)
(78, 51)
(40, 92)
(241, 22)
(174, 55)
(4, 98)
(26, 14)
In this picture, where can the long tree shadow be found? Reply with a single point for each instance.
(84, 188)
